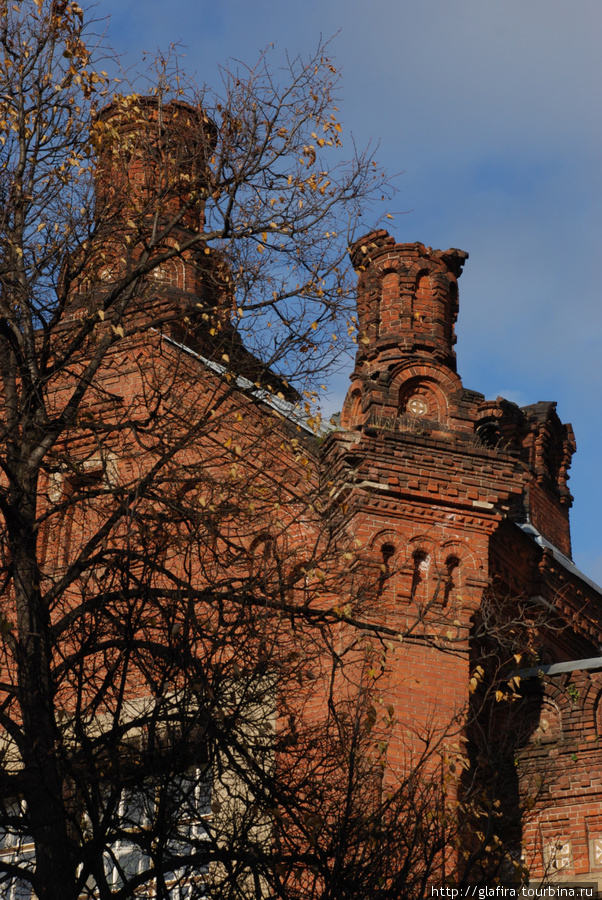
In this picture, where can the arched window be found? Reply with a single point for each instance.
(390, 304)
(298, 584)
(355, 407)
(489, 434)
(387, 552)
(262, 561)
(451, 578)
(420, 560)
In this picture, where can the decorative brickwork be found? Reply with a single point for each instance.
(462, 496)
(447, 499)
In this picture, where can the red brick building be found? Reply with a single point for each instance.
(456, 497)
(451, 499)
(452, 519)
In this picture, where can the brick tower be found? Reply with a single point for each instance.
(407, 308)
(458, 502)
(151, 188)
(448, 493)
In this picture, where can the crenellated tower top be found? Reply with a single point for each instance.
(407, 301)
(407, 298)
(405, 379)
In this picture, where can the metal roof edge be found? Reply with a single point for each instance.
(572, 665)
(558, 555)
(288, 410)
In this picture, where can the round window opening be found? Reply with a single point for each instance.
(417, 406)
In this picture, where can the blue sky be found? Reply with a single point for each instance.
(491, 109)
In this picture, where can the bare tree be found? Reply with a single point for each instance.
(149, 597)
(188, 702)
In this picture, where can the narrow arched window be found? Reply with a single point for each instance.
(262, 561)
(387, 552)
(298, 584)
(420, 560)
(355, 408)
(451, 578)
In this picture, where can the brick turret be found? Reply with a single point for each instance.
(151, 186)
(150, 192)
(152, 158)
(407, 309)
(407, 299)
(405, 377)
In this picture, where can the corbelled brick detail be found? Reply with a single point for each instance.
(447, 492)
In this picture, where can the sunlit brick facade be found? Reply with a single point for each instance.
(449, 499)
(457, 496)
